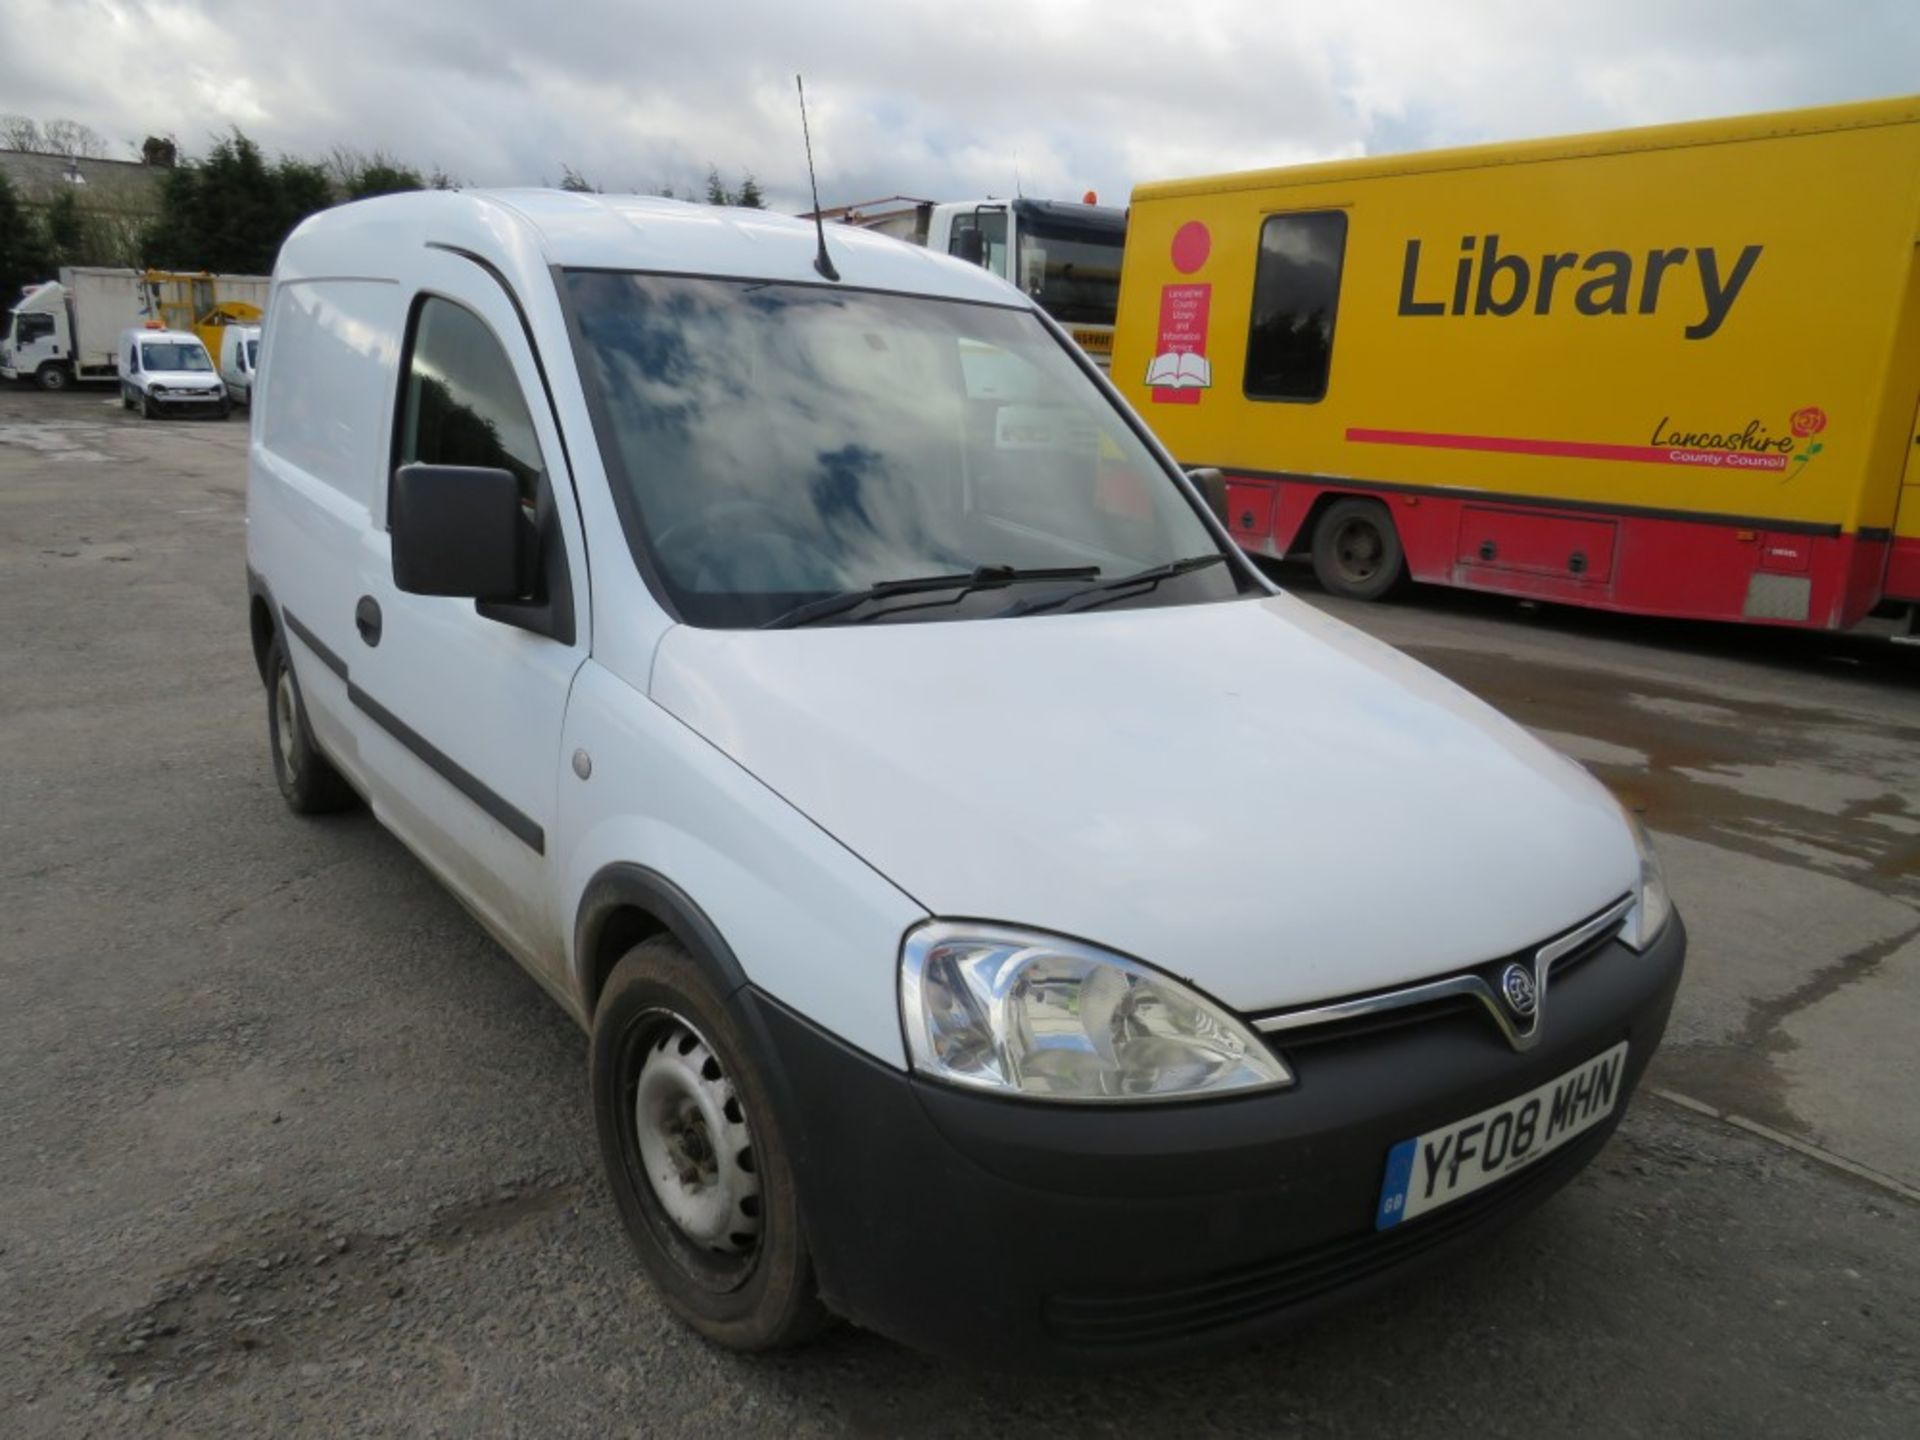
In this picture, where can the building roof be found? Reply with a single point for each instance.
(123, 186)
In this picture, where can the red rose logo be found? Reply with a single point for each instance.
(1810, 421)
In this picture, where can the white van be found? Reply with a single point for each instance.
(1001, 917)
(169, 371)
(239, 355)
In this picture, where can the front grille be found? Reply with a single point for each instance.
(1447, 997)
(1269, 1288)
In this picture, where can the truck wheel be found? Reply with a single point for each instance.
(694, 1153)
(53, 376)
(308, 782)
(1356, 550)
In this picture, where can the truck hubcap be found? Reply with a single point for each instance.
(1358, 549)
(695, 1146)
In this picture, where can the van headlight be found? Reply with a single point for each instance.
(1652, 906)
(1036, 1016)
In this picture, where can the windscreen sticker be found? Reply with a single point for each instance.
(1179, 370)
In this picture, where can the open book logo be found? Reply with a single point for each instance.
(1179, 370)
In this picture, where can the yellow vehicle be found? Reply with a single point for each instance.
(1672, 371)
(205, 303)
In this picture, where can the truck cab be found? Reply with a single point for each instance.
(1064, 256)
(35, 343)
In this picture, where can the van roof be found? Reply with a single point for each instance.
(522, 231)
(174, 337)
(1904, 110)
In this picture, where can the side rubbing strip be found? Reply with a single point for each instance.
(312, 641)
(523, 827)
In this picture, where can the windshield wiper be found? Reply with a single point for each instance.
(981, 577)
(1118, 586)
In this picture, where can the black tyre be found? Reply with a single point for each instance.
(53, 377)
(226, 408)
(147, 407)
(308, 782)
(1356, 550)
(695, 1155)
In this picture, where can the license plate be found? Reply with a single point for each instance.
(1447, 1164)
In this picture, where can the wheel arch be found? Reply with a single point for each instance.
(625, 904)
(1301, 542)
(263, 621)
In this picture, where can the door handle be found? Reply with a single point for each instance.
(366, 619)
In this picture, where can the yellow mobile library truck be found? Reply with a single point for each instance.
(1672, 371)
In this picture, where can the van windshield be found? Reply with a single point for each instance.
(170, 355)
(774, 444)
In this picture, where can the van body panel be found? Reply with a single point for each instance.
(811, 923)
(1174, 831)
(1640, 327)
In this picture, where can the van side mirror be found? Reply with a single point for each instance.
(1213, 488)
(459, 530)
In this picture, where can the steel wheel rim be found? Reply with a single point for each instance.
(1358, 549)
(283, 718)
(695, 1147)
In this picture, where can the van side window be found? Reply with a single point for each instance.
(461, 404)
(1296, 290)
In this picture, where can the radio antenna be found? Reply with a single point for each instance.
(822, 262)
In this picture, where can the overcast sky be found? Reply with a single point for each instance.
(925, 97)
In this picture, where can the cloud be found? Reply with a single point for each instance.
(924, 98)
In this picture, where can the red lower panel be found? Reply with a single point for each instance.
(1903, 570)
(1645, 565)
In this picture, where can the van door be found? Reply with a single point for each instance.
(460, 712)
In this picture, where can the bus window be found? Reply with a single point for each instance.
(1296, 289)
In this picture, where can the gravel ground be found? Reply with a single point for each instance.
(289, 1147)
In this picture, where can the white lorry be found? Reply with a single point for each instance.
(68, 329)
(1065, 256)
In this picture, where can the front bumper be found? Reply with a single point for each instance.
(189, 399)
(1020, 1234)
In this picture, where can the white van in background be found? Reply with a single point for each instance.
(239, 355)
(169, 370)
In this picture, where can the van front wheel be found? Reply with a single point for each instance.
(1356, 550)
(699, 1168)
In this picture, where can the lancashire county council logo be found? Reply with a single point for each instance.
(1807, 422)
(1517, 985)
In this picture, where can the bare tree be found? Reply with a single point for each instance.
(17, 132)
(71, 138)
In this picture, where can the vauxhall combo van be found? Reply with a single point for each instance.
(1001, 917)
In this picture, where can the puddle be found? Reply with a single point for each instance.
(1799, 784)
